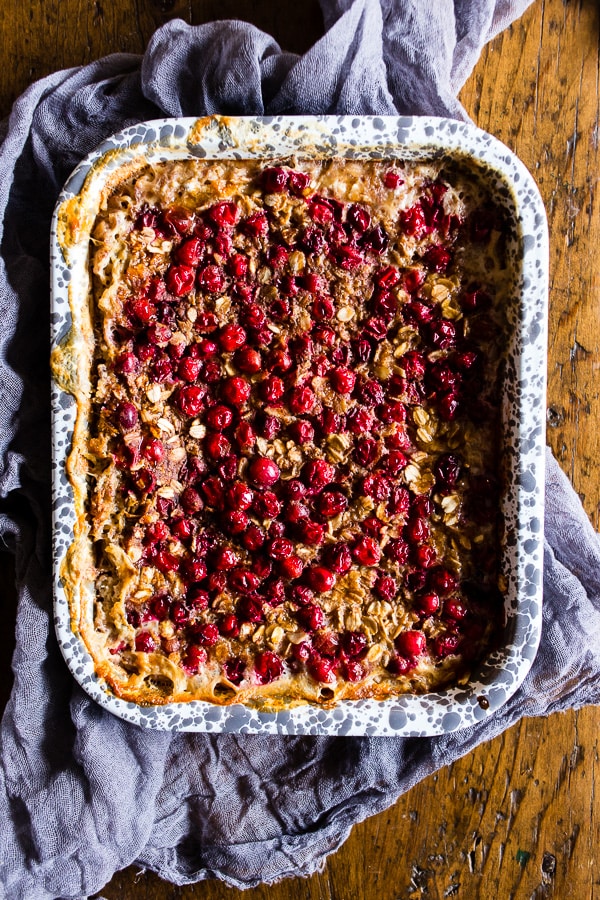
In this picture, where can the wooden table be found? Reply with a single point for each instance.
(517, 818)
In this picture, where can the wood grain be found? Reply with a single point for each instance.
(518, 817)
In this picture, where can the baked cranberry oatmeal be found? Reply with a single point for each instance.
(292, 452)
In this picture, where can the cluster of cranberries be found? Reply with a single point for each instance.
(240, 525)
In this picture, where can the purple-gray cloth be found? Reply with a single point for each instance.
(82, 793)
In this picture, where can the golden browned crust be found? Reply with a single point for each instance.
(399, 277)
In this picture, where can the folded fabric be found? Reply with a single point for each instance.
(82, 793)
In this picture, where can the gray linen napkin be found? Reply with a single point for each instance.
(83, 794)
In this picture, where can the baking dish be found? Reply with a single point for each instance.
(413, 139)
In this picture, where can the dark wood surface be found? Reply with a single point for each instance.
(518, 817)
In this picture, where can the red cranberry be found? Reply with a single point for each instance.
(268, 667)
(236, 390)
(366, 551)
(155, 533)
(206, 322)
(310, 617)
(448, 407)
(331, 504)
(385, 587)
(360, 421)
(411, 644)
(272, 389)
(262, 567)
(310, 533)
(280, 548)
(142, 311)
(274, 592)
(212, 278)
(194, 569)
(320, 579)
(354, 643)
(216, 445)
(295, 511)
(399, 501)
(250, 609)
(238, 265)
(317, 473)
(275, 179)
(229, 626)
(399, 665)
(153, 449)
(302, 432)
(217, 582)
(239, 496)
(354, 670)
(280, 360)
(224, 213)
(193, 659)
(253, 538)
(298, 182)
(180, 280)
(213, 490)
(392, 180)
(191, 501)
(127, 364)
(437, 258)
(178, 613)
(302, 651)
(159, 606)
(245, 436)
(162, 369)
(358, 218)
(447, 470)
(339, 558)
(263, 472)
(243, 581)
(424, 556)
(189, 368)
(197, 597)
(412, 221)
(454, 609)
(445, 645)
(342, 380)
(327, 643)
(294, 489)
(219, 417)
(248, 360)
(322, 670)
(190, 399)
(292, 567)
(442, 334)
(442, 580)
(302, 594)
(234, 669)
(165, 561)
(376, 486)
(301, 401)
(322, 309)
(207, 635)
(226, 558)
(183, 529)
(159, 334)
(397, 550)
(395, 462)
(128, 416)
(145, 642)
(189, 252)
(231, 337)
(235, 521)
(371, 393)
(428, 603)
(332, 422)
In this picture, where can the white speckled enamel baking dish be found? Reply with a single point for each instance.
(523, 409)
